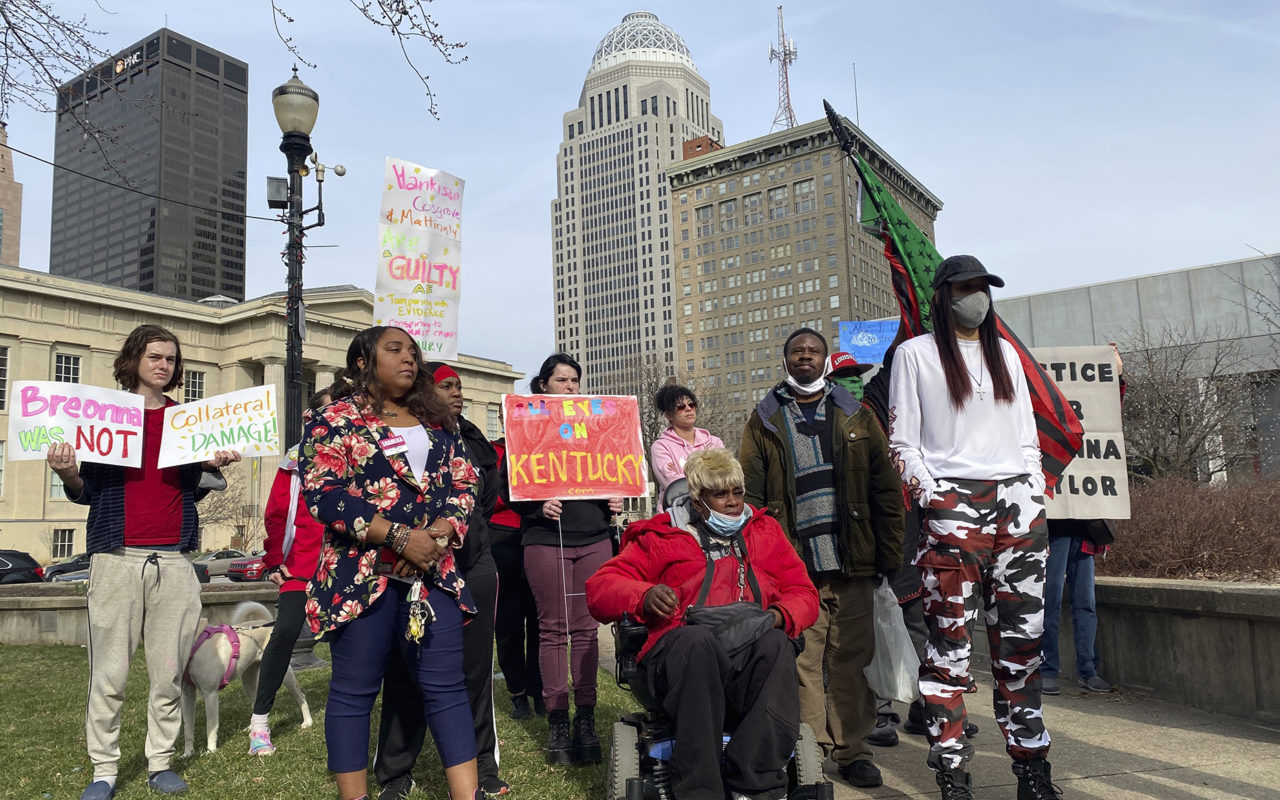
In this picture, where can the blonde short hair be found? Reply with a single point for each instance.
(711, 470)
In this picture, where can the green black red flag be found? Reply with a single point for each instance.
(913, 260)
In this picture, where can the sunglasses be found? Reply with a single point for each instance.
(681, 406)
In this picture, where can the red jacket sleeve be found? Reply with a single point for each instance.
(275, 516)
(619, 586)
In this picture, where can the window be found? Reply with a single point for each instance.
(1, 469)
(66, 368)
(4, 375)
(64, 543)
(55, 487)
(835, 301)
(193, 384)
(492, 422)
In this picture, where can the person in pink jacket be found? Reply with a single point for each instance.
(680, 440)
(292, 554)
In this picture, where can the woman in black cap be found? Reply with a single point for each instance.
(964, 437)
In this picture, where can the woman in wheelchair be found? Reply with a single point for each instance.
(711, 551)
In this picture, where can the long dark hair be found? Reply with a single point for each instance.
(421, 400)
(135, 347)
(959, 382)
(538, 385)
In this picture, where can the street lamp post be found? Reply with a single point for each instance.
(296, 106)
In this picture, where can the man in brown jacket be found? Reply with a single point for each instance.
(819, 462)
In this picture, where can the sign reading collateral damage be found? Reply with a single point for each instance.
(1095, 484)
(243, 421)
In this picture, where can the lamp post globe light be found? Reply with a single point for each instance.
(296, 106)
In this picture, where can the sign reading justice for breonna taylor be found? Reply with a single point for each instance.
(420, 257)
(1095, 484)
(571, 446)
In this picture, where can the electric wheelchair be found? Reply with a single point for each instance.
(643, 740)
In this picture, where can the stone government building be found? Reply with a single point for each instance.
(61, 329)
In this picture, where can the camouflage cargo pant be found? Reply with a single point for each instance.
(983, 542)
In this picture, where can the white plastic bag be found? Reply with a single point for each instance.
(893, 673)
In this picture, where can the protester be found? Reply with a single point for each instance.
(565, 542)
(662, 570)
(964, 439)
(141, 587)
(680, 439)
(906, 579)
(292, 553)
(818, 460)
(386, 472)
(1072, 545)
(403, 728)
(844, 370)
(516, 628)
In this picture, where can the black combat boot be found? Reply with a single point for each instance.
(1034, 781)
(586, 745)
(559, 745)
(956, 784)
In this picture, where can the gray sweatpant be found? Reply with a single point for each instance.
(138, 594)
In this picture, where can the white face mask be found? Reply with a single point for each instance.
(807, 388)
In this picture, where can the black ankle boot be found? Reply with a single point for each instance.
(956, 784)
(586, 745)
(559, 745)
(520, 707)
(1034, 780)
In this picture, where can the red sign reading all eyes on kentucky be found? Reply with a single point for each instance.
(574, 446)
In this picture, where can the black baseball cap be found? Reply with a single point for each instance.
(958, 269)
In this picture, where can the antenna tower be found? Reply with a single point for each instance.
(784, 54)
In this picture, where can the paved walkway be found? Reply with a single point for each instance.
(1120, 745)
(1116, 745)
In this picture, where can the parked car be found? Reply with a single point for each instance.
(247, 569)
(218, 561)
(78, 563)
(19, 567)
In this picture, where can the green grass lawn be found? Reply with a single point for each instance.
(42, 744)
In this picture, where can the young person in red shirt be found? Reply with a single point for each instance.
(140, 585)
(292, 553)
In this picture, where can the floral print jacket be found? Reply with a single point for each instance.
(348, 479)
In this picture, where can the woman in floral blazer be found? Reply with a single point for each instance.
(386, 473)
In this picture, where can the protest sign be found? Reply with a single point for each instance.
(574, 447)
(243, 421)
(419, 275)
(867, 340)
(103, 425)
(1095, 484)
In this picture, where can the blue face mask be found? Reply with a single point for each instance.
(725, 525)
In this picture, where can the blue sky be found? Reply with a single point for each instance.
(1070, 141)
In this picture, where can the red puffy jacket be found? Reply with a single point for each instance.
(654, 552)
(304, 552)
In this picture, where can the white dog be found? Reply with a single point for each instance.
(214, 664)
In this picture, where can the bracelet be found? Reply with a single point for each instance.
(397, 537)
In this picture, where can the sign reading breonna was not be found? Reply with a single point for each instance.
(1095, 484)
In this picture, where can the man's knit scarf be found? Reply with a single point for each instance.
(816, 522)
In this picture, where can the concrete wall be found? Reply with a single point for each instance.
(40, 617)
(1205, 644)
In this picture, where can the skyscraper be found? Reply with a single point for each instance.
(611, 219)
(167, 116)
(767, 239)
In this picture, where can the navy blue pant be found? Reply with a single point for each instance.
(360, 651)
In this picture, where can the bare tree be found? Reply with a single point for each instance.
(1189, 406)
(231, 508)
(407, 21)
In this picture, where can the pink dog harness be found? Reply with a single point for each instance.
(207, 634)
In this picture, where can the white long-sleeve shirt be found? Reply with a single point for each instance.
(985, 440)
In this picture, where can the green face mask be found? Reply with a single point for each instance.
(852, 383)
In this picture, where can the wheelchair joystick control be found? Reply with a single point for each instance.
(635, 789)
